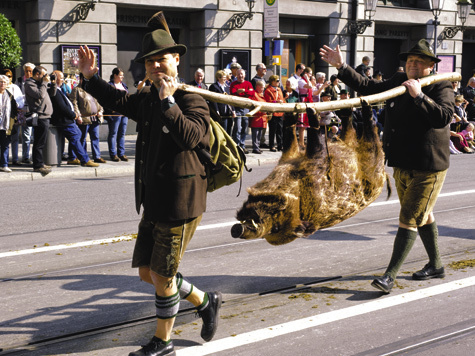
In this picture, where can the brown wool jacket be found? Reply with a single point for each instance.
(170, 181)
(416, 135)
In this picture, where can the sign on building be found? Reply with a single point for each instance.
(271, 19)
(70, 59)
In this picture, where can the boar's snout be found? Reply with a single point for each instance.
(237, 231)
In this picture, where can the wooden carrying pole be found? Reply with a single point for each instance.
(256, 106)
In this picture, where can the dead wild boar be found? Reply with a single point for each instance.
(329, 183)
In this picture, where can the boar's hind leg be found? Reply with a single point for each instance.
(290, 148)
(369, 133)
(314, 137)
(348, 132)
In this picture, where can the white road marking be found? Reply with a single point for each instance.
(232, 342)
(204, 227)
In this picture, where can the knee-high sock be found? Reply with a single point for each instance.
(429, 234)
(184, 287)
(402, 245)
(167, 307)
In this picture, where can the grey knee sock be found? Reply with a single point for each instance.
(184, 287)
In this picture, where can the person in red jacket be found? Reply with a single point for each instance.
(243, 88)
(273, 94)
(259, 120)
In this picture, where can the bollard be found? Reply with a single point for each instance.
(52, 152)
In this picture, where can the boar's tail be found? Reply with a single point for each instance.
(388, 186)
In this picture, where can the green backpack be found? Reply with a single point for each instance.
(225, 160)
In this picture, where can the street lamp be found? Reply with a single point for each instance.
(463, 10)
(83, 9)
(238, 20)
(436, 7)
(251, 4)
(360, 26)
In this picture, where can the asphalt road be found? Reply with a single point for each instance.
(67, 286)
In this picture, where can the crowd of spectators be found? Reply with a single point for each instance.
(41, 98)
(45, 99)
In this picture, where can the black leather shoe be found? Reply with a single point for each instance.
(273, 149)
(156, 347)
(384, 283)
(429, 272)
(210, 316)
(257, 152)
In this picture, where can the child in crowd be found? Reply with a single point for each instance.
(468, 134)
(259, 121)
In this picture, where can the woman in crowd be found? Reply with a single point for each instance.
(291, 95)
(273, 94)
(225, 111)
(334, 88)
(460, 113)
(259, 120)
(305, 96)
(116, 122)
(457, 90)
(15, 90)
(319, 85)
(8, 109)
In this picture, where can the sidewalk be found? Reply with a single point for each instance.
(25, 172)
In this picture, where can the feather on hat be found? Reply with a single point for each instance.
(159, 40)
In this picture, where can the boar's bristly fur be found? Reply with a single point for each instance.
(306, 192)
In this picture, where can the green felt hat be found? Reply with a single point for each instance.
(421, 48)
(157, 42)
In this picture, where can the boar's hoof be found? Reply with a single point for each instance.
(237, 231)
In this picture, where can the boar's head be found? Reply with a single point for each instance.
(274, 216)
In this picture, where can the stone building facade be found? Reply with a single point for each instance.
(206, 27)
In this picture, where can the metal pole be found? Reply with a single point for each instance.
(435, 39)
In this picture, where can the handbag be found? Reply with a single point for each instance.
(31, 119)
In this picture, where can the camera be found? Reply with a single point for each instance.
(52, 77)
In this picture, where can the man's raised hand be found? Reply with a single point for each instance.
(86, 62)
(331, 56)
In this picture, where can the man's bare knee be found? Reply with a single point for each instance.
(144, 274)
(163, 285)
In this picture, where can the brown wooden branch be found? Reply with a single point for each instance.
(321, 106)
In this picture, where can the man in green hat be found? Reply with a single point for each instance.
(416, 144)
(170, 180)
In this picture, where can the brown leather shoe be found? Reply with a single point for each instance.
(44, 171)
(90, 163)
(124, 158)
(115, 158)
(76, 162)
(100, 160)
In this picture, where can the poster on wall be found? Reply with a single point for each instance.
(243, 57)
(70, 59)
(446, 64)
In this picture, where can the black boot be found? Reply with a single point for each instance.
(210, 315)
(156, 347)
(429, 272)
(384, 283)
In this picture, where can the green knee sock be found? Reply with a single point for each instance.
(402, 245)
(429, 234)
